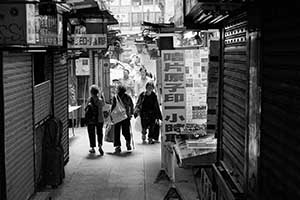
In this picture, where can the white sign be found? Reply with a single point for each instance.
(173, 90)
(30, 22)
(89, 41)
(82, 67)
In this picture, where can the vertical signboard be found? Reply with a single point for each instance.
(30, 22)
(173, 90)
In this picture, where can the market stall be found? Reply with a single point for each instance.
(185, 140)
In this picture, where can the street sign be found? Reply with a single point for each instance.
(89, 41)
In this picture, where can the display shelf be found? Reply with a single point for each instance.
(202, 154)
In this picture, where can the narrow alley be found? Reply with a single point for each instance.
(127, 176)
(213, 83)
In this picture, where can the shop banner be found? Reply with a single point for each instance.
(173, 90)
(89, 41)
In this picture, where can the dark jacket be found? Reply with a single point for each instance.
(127, 101)
(139, 106)
(94, 110)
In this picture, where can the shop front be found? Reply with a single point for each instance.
(87, 45)
(257, 114)
(186, 81)
(30, 87)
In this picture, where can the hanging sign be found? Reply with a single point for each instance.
(17, 24)
(89, 41)
(173, 90)
(50, 30)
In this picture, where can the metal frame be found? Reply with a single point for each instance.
(2, 136)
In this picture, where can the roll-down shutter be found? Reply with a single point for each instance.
(18, 112)
(234, 98)
(61, 97)
(280, 132)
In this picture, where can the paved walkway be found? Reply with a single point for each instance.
(128, 176)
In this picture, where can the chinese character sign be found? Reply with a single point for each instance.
(173, 90)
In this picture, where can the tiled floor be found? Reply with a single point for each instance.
(128, 176)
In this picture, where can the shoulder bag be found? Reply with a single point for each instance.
(118, 114)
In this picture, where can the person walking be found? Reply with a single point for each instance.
(141, 82)
(94, 119)
(128, 83)
(147, 107)
(125, 124)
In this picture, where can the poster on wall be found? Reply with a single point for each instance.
(196, 86)
(82, 67)
(173, 91)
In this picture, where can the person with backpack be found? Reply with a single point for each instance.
(95, 119)
(147, 107)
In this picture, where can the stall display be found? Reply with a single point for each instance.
(184, 127)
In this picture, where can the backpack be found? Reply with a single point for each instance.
(91, 112)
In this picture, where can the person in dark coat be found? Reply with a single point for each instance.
(147, 107)
(125, 124)
(95, 119)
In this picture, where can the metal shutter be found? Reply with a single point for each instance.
(235, 98)
(213, 86)
(42, 110)
(280, 132)
(18, 110)
(60, 82)
(42, 101)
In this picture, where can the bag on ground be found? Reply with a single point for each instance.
(109, 132)
(118, 114)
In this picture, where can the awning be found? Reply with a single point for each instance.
(210, 15)
(92, 11)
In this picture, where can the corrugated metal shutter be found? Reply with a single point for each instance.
(42, 110)
(235, 98)
(61, 97)
(17, 78)
(280, 130)
(39, 136)
(42, 101)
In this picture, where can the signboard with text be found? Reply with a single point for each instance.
(89, 41)
(173, 91)
(50, 30)
(17, 24)
(196, 85)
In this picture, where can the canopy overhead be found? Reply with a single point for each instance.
(90, 9)
(211, 14)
